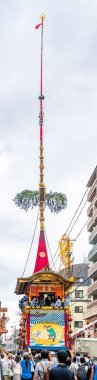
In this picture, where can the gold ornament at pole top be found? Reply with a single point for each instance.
(42, 16)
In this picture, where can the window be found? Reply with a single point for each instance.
(80, 279)
(78, 324)
(78, 309)
(78, 293)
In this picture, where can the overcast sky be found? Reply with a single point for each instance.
(70, 124)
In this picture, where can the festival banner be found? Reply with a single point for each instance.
(47, 328)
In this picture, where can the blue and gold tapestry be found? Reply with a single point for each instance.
(47, 328)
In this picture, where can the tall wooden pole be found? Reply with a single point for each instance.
(41, 98)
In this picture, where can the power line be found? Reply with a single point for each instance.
(55, 255)
(86, 261)
(78, 300)
(81, 230)
(77, 217)
(31, 244)
(81, 284)
(74, 242)
(47, 238)
(72, 220)
(77, 210)
(49, 249)
(85, 309)
(74, 239)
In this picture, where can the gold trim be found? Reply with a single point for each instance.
(42, 16)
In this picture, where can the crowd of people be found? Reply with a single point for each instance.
(46, 365)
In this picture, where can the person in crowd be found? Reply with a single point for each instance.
(95, 372)
(74, 365)
(78, 357)
(50, 360)
(53, 359)
(33, 354)
(87, 358)
(89, 368)
(82, 369)
(61, 371)
(36, 358)
(39, 357)
(4, 366)
(10, 365)
(17, 368)
(18, 353)
(68, 362)
(0, 367)
(85, 370)
(42, 366)
(32, 364)
(69, 358)
(58, 302)
(26, 367)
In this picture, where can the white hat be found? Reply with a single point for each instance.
(52, 352)
(26, 354)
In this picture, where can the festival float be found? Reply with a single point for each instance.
(3, 320)
(45, 308)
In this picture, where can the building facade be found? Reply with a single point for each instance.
(91, 313)
(79, 299)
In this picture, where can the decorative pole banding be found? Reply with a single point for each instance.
(42, 191)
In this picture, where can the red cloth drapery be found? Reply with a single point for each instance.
(42, 256)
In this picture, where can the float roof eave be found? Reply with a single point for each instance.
(46, 275)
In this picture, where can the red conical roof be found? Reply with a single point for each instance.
(42, 256)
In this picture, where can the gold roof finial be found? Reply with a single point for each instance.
(42, 16)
